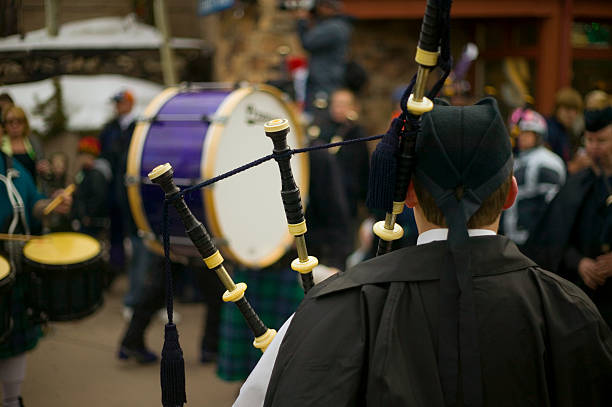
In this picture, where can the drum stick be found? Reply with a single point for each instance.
(22, 238)
(59, 199)
(277, 130)
(162, 176)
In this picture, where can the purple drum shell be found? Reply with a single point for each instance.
(179, 142)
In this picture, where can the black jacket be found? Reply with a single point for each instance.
(575, 225)
(369, 336)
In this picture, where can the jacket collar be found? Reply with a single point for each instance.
(491, 255)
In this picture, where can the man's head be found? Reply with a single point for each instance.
(89, 149)
(529, 126)
(598, 137)
(463, 155)
(327, 8)
(342, 106)
(596, 100)
(124, 102)
(59, 163)
(568, 105)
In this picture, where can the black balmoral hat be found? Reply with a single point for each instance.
(467, 148)
(595, 120)
(463, 145)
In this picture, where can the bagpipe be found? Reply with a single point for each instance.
(389, 179)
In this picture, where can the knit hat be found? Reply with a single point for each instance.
(123, 95)
(595, 120)
(89, 145)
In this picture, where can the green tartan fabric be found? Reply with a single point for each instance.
(274, 293)
(24, 335)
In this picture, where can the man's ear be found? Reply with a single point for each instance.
(511, 194)
(411, 198)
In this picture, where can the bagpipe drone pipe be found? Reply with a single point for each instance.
(389, 179)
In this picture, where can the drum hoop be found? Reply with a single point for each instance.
(135, 160)
(70, 267)
(5, 262)
(66, 266)
(211, 145)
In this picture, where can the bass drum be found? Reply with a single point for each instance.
(204, 131)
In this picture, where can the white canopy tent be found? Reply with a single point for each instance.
(86, 99)
(97, 33)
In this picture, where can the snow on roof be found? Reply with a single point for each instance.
(87, 99)
(97, 33)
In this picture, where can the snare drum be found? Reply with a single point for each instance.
(204, 132)
(7, 279)
(70, 271)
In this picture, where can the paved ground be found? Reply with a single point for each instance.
(75, 365)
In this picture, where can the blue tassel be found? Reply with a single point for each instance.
(172, 370)
(383, 165)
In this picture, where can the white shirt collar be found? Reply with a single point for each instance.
(125, 120)
(433, 235)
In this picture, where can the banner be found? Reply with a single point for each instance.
(206, 7)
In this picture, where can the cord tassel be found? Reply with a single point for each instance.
(383, 167)
(172, 369)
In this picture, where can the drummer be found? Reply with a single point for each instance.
(25, 333)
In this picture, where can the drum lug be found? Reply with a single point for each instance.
(131, 180)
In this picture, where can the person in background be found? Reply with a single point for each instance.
(597, 100)
(19, 219)
(340, 124)
(115, 142)
(90, 208)
(538, 171)
(56, 178)
(52, 181)
(573, 239)
(18, 143)
(562, 124)
(325, 34)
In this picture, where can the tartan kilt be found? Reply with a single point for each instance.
(25, 333)
(274, 293)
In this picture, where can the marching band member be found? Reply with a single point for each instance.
(463, 321)
(573, 238)
(20, 203)
(539, 173)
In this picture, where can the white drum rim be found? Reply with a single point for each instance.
(211, 143)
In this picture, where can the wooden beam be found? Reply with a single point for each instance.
(547, 69)
(592, 53)
(501, 53)
(565, 43)
(599, 10)
(414, 9)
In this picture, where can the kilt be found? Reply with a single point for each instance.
(274, 293)
(25, 333)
